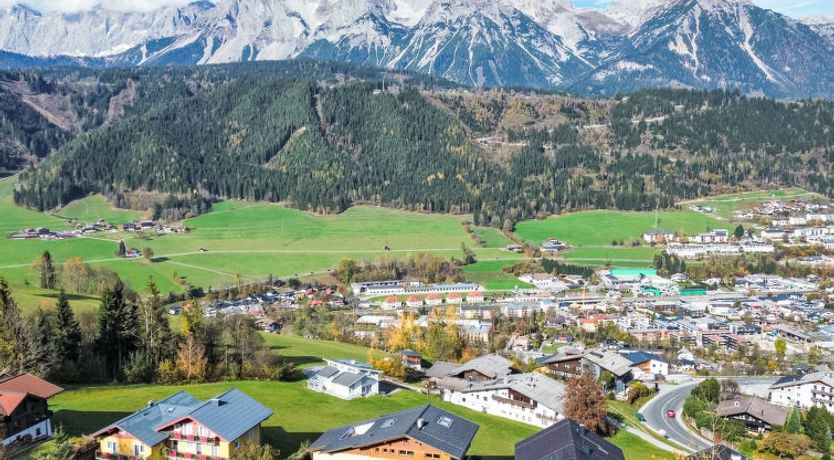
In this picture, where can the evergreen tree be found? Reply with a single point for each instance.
(793, 424)
(67, 337)
(816, 427)
(122, 249)
(739, 232)
(47, 271)
(39, 349)
(118, 326)
(155, 338)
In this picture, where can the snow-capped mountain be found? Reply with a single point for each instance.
(718, 44)
(547, 44)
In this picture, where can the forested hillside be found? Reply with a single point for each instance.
(329, 143)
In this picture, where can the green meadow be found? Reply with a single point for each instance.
(252, 240)
(300, 414)
(95, 207)
(591, 233)
(492, 276)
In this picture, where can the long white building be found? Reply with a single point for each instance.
(805, 391)
(530, 398)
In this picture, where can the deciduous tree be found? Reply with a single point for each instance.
(586, 403)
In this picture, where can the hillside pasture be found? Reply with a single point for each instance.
(591, 233)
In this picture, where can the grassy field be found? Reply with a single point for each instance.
(96, 207)
(726, 205)
(591, 233)
(305, 352)
(250, 239)
(300, 414)
(491, 275)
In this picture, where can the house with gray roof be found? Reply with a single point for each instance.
(805, 391)
(531, 398)
(757, 413)
(186, 427)
(423, 432)
(487, 367)
(345, 379)
(565, 440)
(598, 361)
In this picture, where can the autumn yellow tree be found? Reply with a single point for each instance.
(192, 361)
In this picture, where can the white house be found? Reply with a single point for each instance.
(714, 236)
(345, 379)
(647, 366)
(544, 281)
(530, 398)
(805, 391)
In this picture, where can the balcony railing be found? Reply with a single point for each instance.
(823, 392)
(174, 455)
(514, 402)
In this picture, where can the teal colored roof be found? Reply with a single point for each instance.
(142, 423)
(230, 415)
(633, 271)
(693, 291)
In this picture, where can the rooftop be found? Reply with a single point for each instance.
(566, 440)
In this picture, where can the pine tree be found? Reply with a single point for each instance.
(816, 427)
(67, 335)
(47, 271)
(118, 326)
(156, 338)
(122, 249)
(793, 425)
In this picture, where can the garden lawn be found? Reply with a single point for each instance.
(307, 352)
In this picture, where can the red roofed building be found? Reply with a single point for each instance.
(413, 302)
(454, 297)
(24, 412)
(391, 303)
(434, 299)
(475, 297)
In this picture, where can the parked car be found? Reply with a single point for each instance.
(670, 413)
(641, 417)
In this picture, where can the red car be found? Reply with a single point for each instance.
(670, 413)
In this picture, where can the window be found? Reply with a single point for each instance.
(445, 421)
(389, 423)
(432, 455)
(406, 453)
(252, 434)
(111, 446)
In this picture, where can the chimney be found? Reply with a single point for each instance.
(421, 423)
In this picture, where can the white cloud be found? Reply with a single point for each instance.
(82, 5)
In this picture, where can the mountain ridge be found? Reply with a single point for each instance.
(551, 45)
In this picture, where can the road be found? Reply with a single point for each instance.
(672, 397)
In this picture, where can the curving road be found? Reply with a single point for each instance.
(673, 397)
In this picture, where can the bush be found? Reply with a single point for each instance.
(786, 444)
(693, 406)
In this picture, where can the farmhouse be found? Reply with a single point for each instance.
(562, 365)
(484, 368)
(345, 379)
(24, 412)
(598, 361)
(412, 360)
(186, 427)
(530, 398)
(755, 412)
(425, 432)
(567, 439)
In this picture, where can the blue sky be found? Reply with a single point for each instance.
(794, 8)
